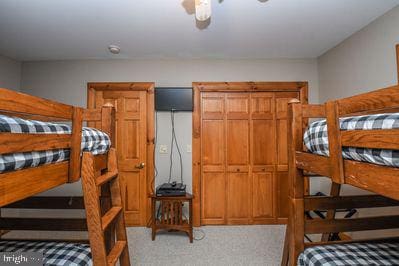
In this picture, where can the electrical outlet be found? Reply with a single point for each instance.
(189, 149)
(163, 149)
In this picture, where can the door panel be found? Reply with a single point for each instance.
(212, 105)
(282, 148)
(213, 143)
(237, 142)
(263, 194)
(237, 148)
(131, 145)
(132, 105)
(213, 198)
(262, 105)
(263, 142)
(130, 148)
(237, 105)
(213, 160)
(238, 200)
(131, 188)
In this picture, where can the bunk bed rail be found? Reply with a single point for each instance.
(381, 100)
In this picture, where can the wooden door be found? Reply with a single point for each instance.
(263, 147)
(240, 151)
(131, 145)
(281, 100)
(238, 186)
(213, 193)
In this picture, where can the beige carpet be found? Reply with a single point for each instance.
(222, 245)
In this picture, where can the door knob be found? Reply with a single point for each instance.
(140, 165)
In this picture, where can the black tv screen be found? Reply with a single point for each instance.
(174, 99)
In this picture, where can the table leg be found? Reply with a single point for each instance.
(153, 220)
(190, 206)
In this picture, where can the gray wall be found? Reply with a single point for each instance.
(65, 81)
(10, 73)
(366, 61)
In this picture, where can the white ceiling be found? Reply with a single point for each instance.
(81, 29)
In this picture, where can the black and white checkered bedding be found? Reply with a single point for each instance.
(93, 140)
(54, 253)
(351, 254)
(316, 139)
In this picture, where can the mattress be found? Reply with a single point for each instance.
(351, 254)
(93, 140)
(316, 139)
(54, 253)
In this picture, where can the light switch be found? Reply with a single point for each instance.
(163, 149)
(189, 150)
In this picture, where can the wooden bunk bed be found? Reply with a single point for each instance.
(22, 136)
(358, 149)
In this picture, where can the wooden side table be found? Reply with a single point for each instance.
(170, 214)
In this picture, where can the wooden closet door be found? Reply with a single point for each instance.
(213, 198)
(244, 157)
(240, 162)
(263, 147)
(238, 158)
(282, 99)
(131, 140)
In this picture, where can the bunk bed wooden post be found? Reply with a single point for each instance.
(108, 122)
(295, 226)
(108, 126)
(335, 159)
(75, 158)
(334, 140)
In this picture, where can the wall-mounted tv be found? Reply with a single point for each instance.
(174, 99)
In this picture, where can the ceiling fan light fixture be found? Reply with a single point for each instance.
(203, 10)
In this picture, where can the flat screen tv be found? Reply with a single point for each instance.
(174, 99)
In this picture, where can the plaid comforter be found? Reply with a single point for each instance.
(54, 253)
(316, 139)
(93, 140)
(351, 254)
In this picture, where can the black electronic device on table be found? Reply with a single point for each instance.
(171, 189)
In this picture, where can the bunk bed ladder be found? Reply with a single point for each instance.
(107, 231)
